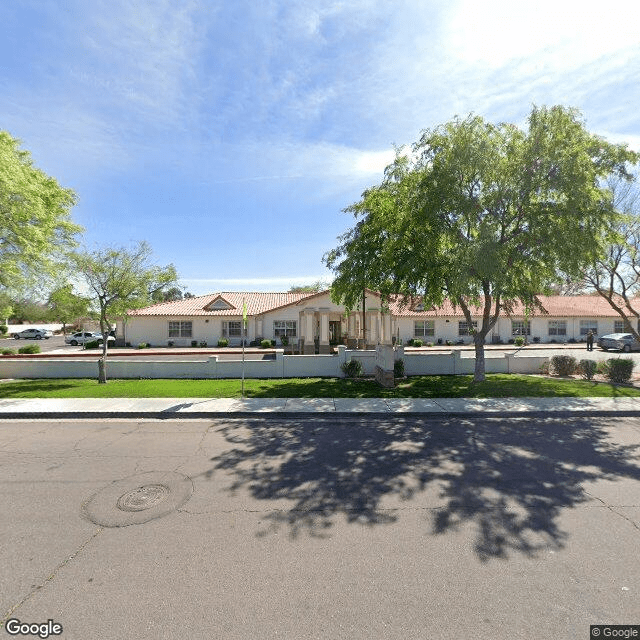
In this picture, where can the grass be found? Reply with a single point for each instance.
(496, 386)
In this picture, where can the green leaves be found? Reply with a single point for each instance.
(483, 214)
(36, 229)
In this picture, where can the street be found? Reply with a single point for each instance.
(321, 527)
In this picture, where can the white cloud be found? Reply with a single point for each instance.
(548, 33)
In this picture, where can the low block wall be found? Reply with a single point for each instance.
(284, 366)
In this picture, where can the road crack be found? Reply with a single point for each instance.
(50, 578)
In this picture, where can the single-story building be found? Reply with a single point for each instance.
(312, 322)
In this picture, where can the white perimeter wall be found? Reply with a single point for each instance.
(284, 366)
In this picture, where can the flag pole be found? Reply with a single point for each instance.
(244, 333)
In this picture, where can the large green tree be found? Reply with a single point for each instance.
(485, 215)
(120, 279)
(36, 230)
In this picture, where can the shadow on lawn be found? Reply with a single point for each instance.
(509, 479)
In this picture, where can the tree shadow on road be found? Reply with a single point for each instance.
(510, 480)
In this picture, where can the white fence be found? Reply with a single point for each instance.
(283, 366)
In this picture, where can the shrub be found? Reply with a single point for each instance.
(92, 344)
(449, 343)
(587, 369)
(223, 342)
(410, 342)
(618, 370)
(170, 343)
(265, 344)
(429, 344)
(31, 348)
(519, 341)
(352, 368)
(8, 352)
(417, 343)
(544, 368)
(398, 368)
(203, 343)
(194, 343)
(284, 340)
(143, 345)
(3, 329)
(536, 339)
(563, 365)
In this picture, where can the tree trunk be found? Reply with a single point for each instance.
(102, 371)
(479, 372)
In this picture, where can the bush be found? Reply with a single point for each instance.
(587, 369)
(194, 343)
(449, 343)
(223, 342)
(429, 344)
(563, 365)
(398, 368)
(203, 343)
(170, 343)
(92, 344)
(417, 343)
(143, 345)
(284, 340)
(618, 370)
(519, 341)
(31, 348)
(8, 352)
(352, 368)
(265, 344)
(3, 329)
(410, 342)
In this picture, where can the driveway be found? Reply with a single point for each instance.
(322, 527)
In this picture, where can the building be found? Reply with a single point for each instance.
(312, 323)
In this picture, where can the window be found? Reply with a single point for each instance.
(422, 328)
(557, 327)
(463, 328)
(231, 329)
(284, 328)
(588, 325)
(620, 326)
(520, 328)
(180, 329)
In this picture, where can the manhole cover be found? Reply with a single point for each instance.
(138, 499)
(143, 497)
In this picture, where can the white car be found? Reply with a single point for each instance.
(33, 334)
(82, 337)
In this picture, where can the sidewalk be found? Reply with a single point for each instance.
(232, 407)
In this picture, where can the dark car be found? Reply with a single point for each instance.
(622, 341)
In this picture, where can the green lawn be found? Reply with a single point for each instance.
(496, 386)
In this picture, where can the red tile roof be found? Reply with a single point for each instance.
(556, 306)
(257, 303)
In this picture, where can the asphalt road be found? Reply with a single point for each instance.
(55, 342)
(321, 527)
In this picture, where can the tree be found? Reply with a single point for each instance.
(615, 275)
(315, 287)
(65, 306)
(168, 295)
(121, 279)
(36, 230)
(484, 215)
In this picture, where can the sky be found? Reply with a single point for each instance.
(231, 135)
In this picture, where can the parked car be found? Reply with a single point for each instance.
(82, 337)
(622, 341)
(33, 334)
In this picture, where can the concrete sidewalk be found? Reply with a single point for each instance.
(230, 407)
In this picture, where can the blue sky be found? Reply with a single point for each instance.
(231, 134)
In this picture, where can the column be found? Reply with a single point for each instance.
(324, 331)
(386, 329)
(309, 344)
